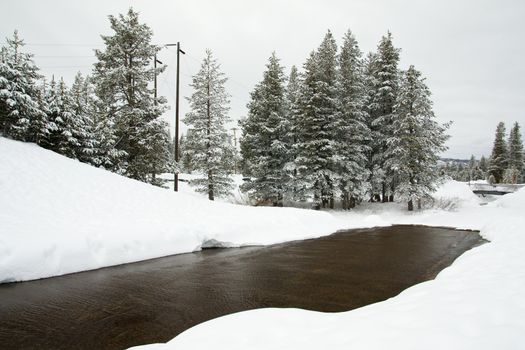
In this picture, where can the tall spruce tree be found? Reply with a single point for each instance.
(64, 138)
(207, 143)
(499, 157)
(319, 108)
(516, 165)
(376, 177)
(293, 189)
(82, 104)
(384, 69)
(21, 116)
(483, 165)
(131, 131)
(352, 132)
(263, 145)
(416, 140)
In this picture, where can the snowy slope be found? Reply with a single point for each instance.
(60, 216)
(477, 303)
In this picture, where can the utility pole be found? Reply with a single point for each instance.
(176, 174)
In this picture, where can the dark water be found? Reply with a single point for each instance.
(153, 301)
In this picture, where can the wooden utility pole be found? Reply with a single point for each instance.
(176, 179)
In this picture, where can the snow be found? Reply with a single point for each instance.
(453, 195)
(476, 303)
(60, 216)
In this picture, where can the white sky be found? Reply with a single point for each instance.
(470, 51)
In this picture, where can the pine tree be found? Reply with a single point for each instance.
(21, 117)
(472, 164)
(63, 139)
(56, 140)
(129, 127)
(516, 164)
(208, 143)
(499, 158)
(318, 112)
(185, 156)
(416, 140)
(71, 135)
(483, 166)
(376, 177)
(263, 145)
(352, 132)
(82, 103)
(292, 188)
(384, 93)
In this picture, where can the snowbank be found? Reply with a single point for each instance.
(477, 303)
(60, 216)
(453, 195)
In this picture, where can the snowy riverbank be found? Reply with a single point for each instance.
(60, 216)
(477, 303)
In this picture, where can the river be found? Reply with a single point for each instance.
(154, 300)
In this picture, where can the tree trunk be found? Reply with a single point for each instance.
(351, 203)
(410, 205)
(211, 196)
(384, 198)
(419, 203)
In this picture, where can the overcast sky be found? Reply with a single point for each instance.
(471, 52)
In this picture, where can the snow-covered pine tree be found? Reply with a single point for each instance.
(516, 164)
(472, 162)
(319, 109)
(129, 126)
(61, 139)
(292, 188)
(416, 140)
(21, 117)
(71, 136)
(108, 155)
(263, 145)
(376, 173)
(185, 157)
(384, 93)
(207, 143)
(499, 157)
(483, 165)
(352, 132)
(82, 104)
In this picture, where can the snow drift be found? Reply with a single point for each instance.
(60, 216)
(453, 195)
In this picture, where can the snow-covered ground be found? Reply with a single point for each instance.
(59, 216)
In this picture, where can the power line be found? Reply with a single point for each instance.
(63, 56)
(68, 66)
(75, 45)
